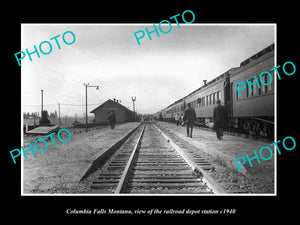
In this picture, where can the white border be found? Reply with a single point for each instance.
(149, 24)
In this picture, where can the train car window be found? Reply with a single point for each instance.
(253, 92)
(210, 99)
(207, 100)
(269, 87)
(218, 95)
(237, 94)
(214, 98)
(247, 91)
(265, 79)
(198, 102)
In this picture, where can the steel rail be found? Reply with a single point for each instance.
(125, 175)
(213, 185)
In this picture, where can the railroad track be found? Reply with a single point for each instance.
(150, 163)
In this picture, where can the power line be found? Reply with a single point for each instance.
(61, 104)
(39, 105)
(80, 105)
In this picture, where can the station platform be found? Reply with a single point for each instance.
(60, 168)
(44, 130)
(228, 149)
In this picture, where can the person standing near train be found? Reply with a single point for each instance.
(189, 117)
(219, 119)
(177, 117)
(112, 119)
(181, 121)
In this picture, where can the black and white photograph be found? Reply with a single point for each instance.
(149, 109)
(130, 111)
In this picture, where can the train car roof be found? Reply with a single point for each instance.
(208, 84)
(258, 55)
(222, 76)
(255, 59)
(243, 64)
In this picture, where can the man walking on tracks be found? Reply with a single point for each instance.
(189, 117)
(112, 119)
(219, 118)
(177, 117)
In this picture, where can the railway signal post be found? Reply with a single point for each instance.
(86, 114)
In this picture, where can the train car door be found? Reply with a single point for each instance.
(227, 97)
(231, 100)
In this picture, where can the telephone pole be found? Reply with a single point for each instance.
(42, 104)
(133, 102)
(86, 115)
(58, 113)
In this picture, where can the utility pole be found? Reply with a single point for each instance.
(58, 113)
(86, 115)
(42, 104)
(133, 102)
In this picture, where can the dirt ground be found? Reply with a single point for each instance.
(59, 169)
(234, 146)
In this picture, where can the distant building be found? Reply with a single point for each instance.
(76, 123)
(122, 113)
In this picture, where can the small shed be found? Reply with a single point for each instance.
(45, 130)
(76, 123)
(122, 113)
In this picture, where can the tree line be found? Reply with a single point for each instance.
(36, 115)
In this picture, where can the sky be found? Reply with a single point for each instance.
(158, 71)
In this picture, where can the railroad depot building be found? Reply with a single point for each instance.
(122, 113)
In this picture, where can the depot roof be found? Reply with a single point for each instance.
(111, 105)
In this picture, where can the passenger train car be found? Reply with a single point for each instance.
(251, 113)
